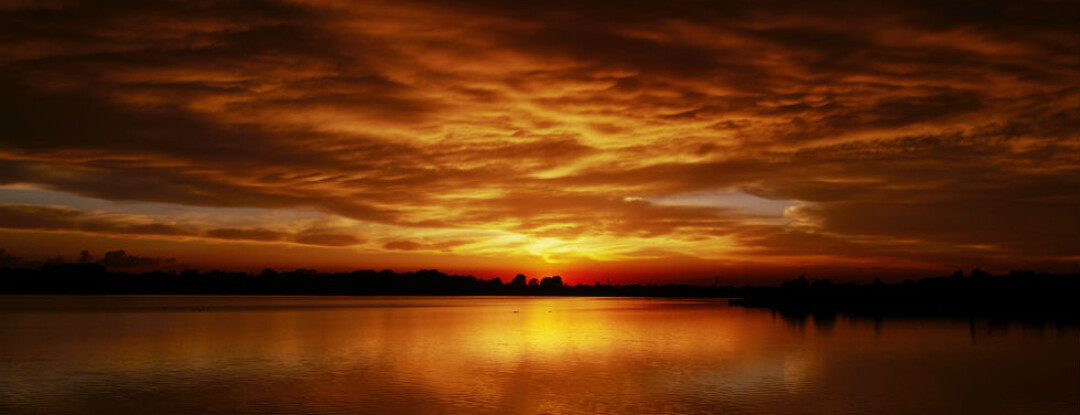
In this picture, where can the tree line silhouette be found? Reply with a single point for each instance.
(93, 278)
(1022, 294)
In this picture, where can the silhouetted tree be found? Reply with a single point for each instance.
(821, 284)
(54, 261)
(6, 259)
(518, 282)
(796, 284)
(551, 282)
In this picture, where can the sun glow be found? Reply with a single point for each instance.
(526, 137)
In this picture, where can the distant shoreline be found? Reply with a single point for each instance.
(1023, 295)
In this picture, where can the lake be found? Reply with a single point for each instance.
(415, 355)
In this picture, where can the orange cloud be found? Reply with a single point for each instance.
(549, 132)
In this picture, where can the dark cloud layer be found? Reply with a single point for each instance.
(885, 126)
(52, 219)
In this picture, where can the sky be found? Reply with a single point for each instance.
(636, 141)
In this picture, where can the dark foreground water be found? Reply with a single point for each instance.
(297, 355)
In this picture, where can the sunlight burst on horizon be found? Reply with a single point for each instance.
(674, 142)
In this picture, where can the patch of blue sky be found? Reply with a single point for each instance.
(238, 216)
(732, 199)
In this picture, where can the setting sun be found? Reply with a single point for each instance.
(678, 143)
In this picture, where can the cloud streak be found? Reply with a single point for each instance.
(60, 219)
(548, 127)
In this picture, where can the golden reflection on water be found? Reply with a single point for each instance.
(509, 355)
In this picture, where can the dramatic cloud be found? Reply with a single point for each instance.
(416, 246)
(327, 238)
(45, 218)
(65, 219)
(727, 135)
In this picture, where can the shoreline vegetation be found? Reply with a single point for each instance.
(1021, 294)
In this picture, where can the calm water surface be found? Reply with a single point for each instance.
(296, 355)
